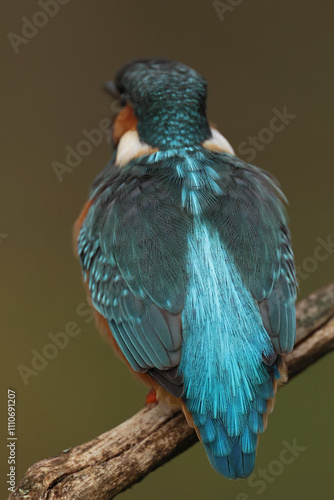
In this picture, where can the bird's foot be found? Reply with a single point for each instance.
(151, 397)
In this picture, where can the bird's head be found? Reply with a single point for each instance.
(165, 101)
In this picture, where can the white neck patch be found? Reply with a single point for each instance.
(218, 143)
(130, 147)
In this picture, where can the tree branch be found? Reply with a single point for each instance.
(119, 458)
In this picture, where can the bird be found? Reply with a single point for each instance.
(186, 257)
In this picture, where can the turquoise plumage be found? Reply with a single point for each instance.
(187, 255)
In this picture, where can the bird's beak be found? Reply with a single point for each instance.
(111, 88)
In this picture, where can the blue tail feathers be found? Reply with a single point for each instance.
(226, 379)
(233, 456)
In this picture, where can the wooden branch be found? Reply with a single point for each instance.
(114, 461)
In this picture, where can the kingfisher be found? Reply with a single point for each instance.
(187, 260)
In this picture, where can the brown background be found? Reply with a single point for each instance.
(263, 55)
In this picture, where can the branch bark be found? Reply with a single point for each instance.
(109, 464)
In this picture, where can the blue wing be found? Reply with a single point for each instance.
(252, 223)
(132, 247)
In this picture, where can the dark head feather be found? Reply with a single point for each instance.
(169, 100)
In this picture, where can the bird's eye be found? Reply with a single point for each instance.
(123, 99)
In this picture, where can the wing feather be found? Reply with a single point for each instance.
(132, 247)
(253, 224)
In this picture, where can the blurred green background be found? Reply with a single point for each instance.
(261, 56)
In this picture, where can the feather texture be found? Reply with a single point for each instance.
(187, 255)
(224, 342)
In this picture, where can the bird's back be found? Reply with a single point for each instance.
(186, 253)
(227, 384)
